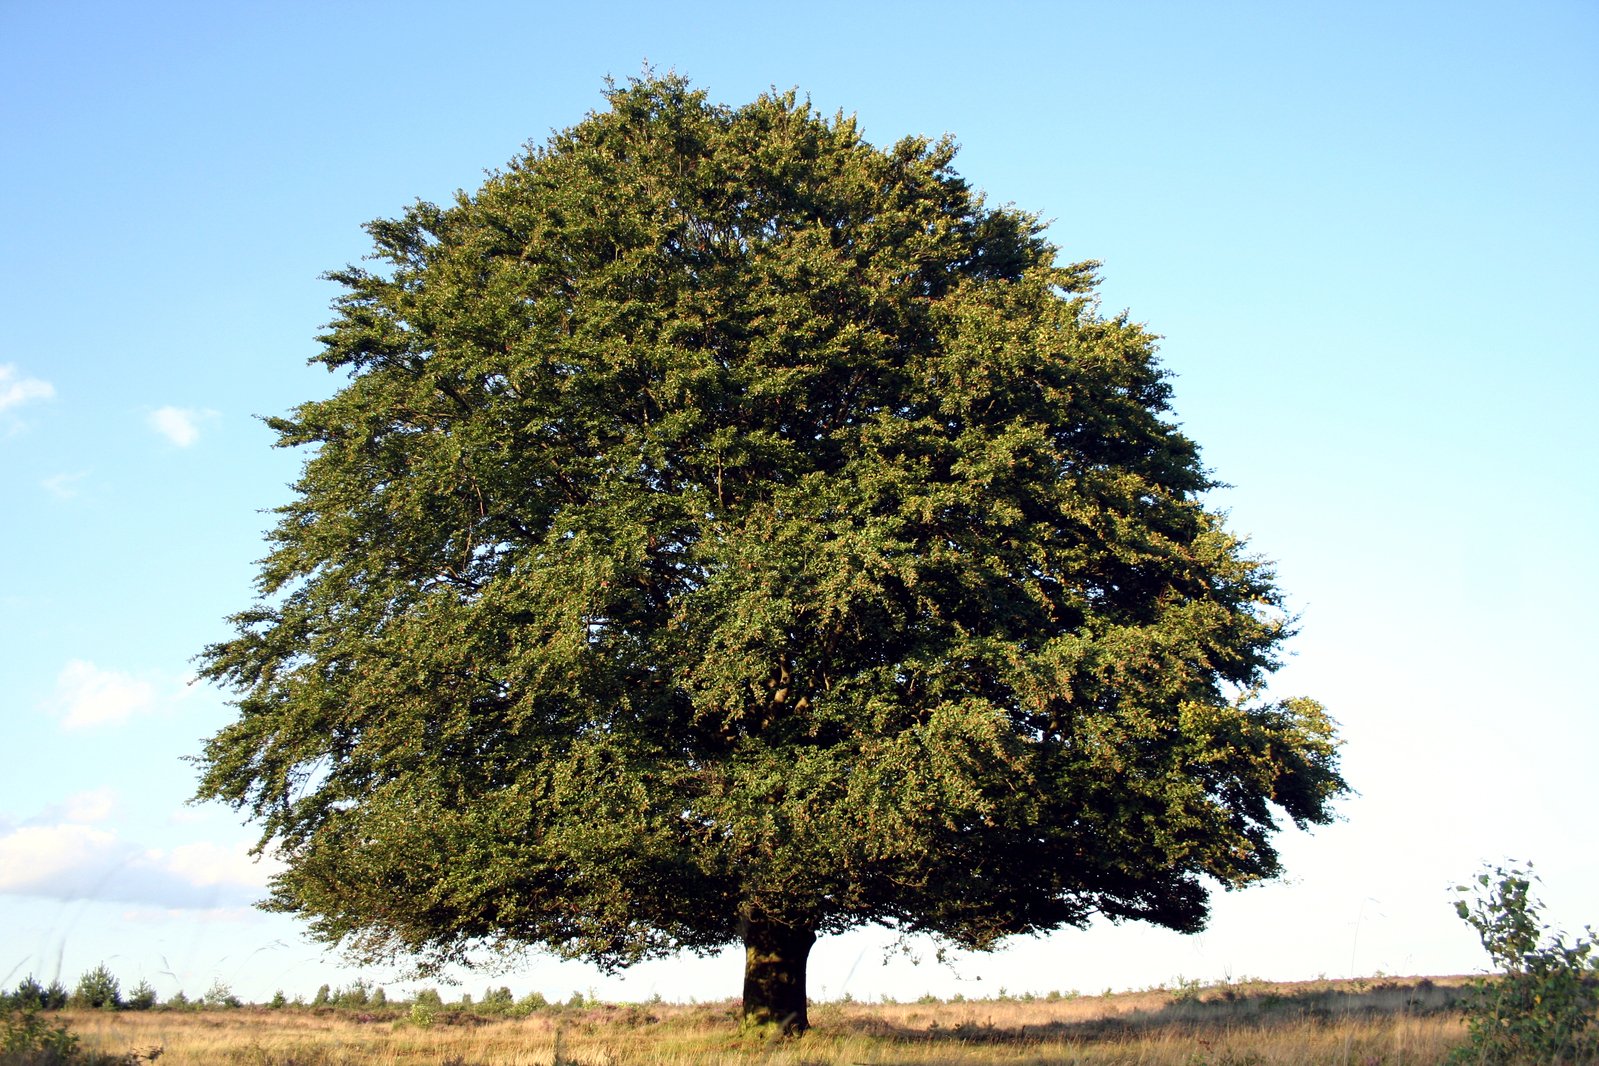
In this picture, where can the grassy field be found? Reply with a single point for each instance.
(1365, 1023)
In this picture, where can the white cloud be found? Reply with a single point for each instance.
(80, 862)
(64, 861)
(180, 425)
(16, 391)
(211, 865)
(86, 808)
(63, 486)
(81, 809)
(189, 816)
(89, 696)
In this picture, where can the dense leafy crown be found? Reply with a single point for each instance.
(725, 519)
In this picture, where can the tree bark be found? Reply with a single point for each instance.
(774, 975)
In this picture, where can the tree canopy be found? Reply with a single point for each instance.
(728, 531)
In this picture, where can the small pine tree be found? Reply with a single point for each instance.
(98, 990)
(279, 1001)
(29, 994)
(55, 997)
(379, 998)
(142, 996)
(178, 1001)
(323, 997)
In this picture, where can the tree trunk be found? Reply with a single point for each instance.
(774, 975)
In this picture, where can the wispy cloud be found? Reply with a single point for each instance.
(180, 425)
(88, 696)
(69, 861)
(63, 486)
(16, 390)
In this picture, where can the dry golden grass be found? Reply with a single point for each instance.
(1392, 1023)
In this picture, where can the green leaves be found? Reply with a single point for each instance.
(723, 516)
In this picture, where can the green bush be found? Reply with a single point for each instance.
(220, 995)
(26, 1037)
(98, 990)
(1542, 1008)
(425, 1007)
(357, 995)
(497, 1001)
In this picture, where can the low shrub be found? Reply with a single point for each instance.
(424, 1013)
(26, 1037)
(1543, 1006)
(220, 995)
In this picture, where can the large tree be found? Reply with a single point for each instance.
(731, 532)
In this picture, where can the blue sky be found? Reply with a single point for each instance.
(1367, 233)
